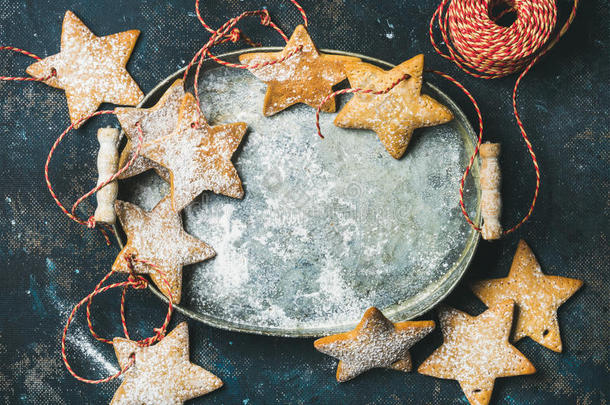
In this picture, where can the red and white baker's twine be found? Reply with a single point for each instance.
(136, 282)
(486, 50)
(90, 223)
(25, 79)
(354, 90)
(228, 32)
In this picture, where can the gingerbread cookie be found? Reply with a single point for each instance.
(198, 156)
(375, 343)
(91, 70)
(157, 236)
(307, 76)
(161, 374)
(155, 122)
(476, 351)
(395, 114)
(537, 295)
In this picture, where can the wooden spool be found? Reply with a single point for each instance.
(107, 165)
(491, 200)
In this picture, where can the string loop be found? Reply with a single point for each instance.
(134, 281)
(26, 79)
(89, 223)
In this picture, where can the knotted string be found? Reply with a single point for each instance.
(228, 32)
(25, 79)
(134, 281)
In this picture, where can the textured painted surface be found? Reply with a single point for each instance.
(47, 263)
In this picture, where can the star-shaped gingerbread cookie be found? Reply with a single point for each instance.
(91, 70)
(476, 351)
(155, 122)
(537, 296)
(158, 236)
(161, 374)
(307, 76)
(198, 156)
(393, 115)
(375, 343)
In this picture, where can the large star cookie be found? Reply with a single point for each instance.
(91, 70)
(198, 156)
(305, 77)
(395, 114)
(375, 343)
(476, 351)
(155, 122)
(537, 295)
(157, 236)
(161, 374)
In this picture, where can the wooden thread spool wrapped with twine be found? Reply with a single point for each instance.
(107, 165)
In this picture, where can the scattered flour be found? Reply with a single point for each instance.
(327, 227)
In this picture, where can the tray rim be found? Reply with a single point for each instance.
(309, 332)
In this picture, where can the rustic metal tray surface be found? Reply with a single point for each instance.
(328, 227)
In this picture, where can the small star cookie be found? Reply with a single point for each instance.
(157, 236)
(375, 343)
(394, 115)
(156, 122)
(476, 351)
(198, 157)
(161, 374)
(537, 296)
(305, 77)
(91, 70)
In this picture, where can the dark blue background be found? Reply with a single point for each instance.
(48, 263)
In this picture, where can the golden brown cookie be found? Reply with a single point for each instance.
(395, 114)
(198, 157)
(305, 77)
(157, 236)
(537, 296)
(375, 343)
(91, 70)
(161, 374)
(476, 351)
(156, 122)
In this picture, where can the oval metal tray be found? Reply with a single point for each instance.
(328, 227)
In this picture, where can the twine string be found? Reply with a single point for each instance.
(354, 90)
(26, 79)
(486, 50)
(89, 223)
(228, 32)
(134, 281)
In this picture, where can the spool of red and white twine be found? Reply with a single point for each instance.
(481, 47)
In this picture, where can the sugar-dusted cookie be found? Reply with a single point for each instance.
(476, 351)
(156, 122)
(305, 77)
(157, 236)
(395, 114)
(537, 296)
(91, 70)
(161, 374)
(375, 343)
(198, 156)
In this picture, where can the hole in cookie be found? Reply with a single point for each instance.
(502, 12)
(545, 332)
(477, 390)
(193, 125)
(53, 71)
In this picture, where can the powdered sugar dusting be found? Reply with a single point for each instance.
(161, 374)
(90, 69)
(327, 228)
